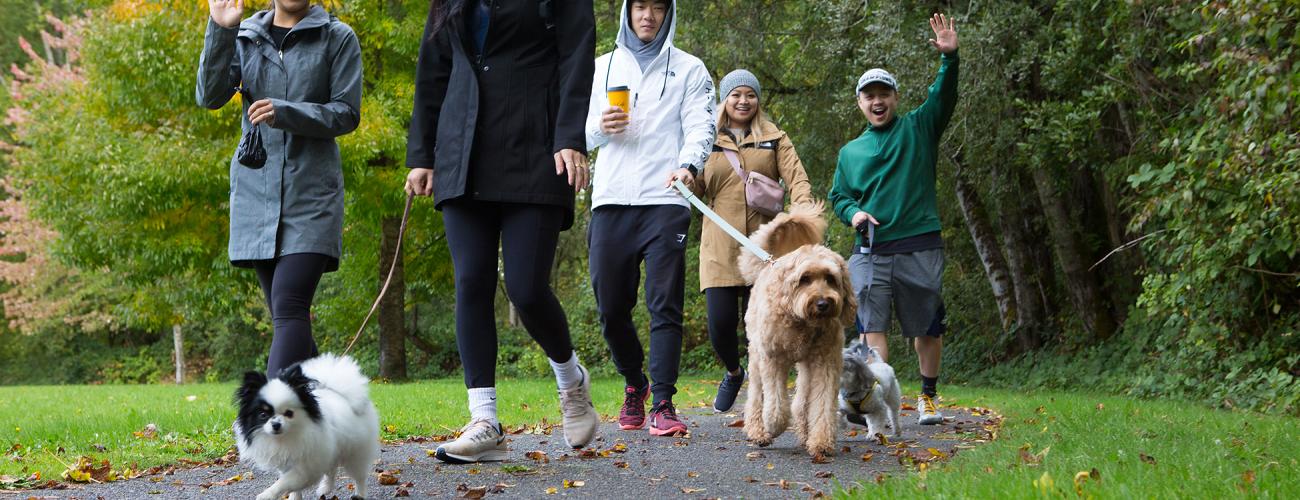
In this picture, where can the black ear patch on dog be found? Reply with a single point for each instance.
(302, 385)
(250, 404)
(247, 392)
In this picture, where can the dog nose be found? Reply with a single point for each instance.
(275, 426)
(822, 305)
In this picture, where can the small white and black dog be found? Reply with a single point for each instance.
(869, 392)
(313, 418)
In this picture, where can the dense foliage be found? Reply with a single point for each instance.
(1118, 189)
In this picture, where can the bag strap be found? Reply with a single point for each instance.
(734, 159)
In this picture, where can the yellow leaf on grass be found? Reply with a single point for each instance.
(1045, 485)
(936, 453)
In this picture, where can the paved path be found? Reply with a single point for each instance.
(715, 461)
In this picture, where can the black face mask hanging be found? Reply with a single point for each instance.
(250, 152)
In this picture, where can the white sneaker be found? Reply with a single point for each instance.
(479, 441)
(580, 418)
(927, 411)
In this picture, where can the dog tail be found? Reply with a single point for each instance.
(802, 225)
(341, 375)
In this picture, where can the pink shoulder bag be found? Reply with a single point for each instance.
(762, 194)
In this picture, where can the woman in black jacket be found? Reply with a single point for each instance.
(496, 136)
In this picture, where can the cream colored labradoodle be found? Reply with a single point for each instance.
(798, 310)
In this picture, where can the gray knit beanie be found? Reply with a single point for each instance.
(739, 78)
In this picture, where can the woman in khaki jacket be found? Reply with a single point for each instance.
(760, 147)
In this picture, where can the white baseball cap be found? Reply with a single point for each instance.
(876, 75)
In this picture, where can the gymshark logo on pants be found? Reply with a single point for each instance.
(681, 238)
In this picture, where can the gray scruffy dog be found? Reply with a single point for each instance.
(869, 392)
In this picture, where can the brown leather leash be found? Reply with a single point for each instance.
(397, 256)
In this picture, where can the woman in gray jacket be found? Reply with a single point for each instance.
(299, 71)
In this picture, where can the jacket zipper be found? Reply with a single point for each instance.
(487, 35)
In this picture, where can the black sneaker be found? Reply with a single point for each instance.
(727, 391)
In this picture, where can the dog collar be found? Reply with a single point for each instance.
(857, 405)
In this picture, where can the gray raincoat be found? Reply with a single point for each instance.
(293, 204)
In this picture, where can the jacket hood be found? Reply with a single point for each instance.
(625, 34)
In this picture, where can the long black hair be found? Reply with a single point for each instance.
(442, 10)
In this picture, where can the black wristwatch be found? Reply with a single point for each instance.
(695, 172)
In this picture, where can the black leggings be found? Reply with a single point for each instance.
(527, 235)
(289, 284)
(726, 306)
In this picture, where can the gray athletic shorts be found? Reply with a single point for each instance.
(911, 282)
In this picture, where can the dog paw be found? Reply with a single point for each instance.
(762, 441)
(821, 452)
(267, 495)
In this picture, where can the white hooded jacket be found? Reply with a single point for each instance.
(671, 122)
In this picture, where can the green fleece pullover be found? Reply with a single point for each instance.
(889, 171)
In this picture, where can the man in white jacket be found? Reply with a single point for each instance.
(666, 135)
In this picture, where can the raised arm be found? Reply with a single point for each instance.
(219, 72)
(939, 104)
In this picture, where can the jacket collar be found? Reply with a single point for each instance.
(726, 141)
(259, 25)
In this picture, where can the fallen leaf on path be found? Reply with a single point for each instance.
(388, 478)
(736, 423)
(783, 484)
(688, 491)
(692, 474)
(821, 459)
(866, 457)
(620, 464)
(750, 479)
(884, 441)
(825, 474)
(574, 484)
(464, 491)
(552, 490)
(936, 453)
(538, 456)
(755, 455)
(619, 448)
(500, 488)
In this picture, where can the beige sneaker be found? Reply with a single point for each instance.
(927, 411)
(580, 418)
(479, 441)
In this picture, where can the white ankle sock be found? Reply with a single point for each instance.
(483, 404)
(567, 374)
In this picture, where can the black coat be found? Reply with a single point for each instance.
(489, 124)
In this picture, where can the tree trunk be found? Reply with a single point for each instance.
(1031, 311)
(986, 244)
(178, 340)
(392, 319)
(1084, 290)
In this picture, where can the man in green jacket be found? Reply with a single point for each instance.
(884, 187)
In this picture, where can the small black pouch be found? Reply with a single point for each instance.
(250, 152)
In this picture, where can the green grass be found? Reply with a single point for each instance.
(1197, 452)
(1194, 452)
(37, 421)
